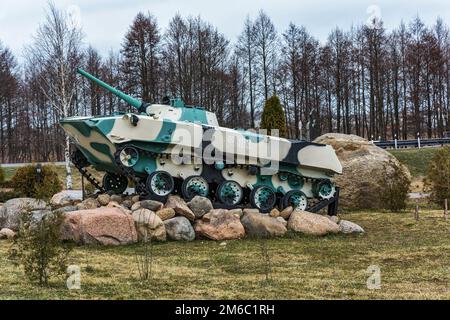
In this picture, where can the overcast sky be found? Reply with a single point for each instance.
(105, 21)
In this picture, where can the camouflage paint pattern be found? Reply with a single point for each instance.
(165, 130)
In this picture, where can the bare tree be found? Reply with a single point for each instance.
(245, 49)
(53, 56)
(9, 88)
(141, 57)
(265, 44)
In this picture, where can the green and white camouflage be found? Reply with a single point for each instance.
(174, 148)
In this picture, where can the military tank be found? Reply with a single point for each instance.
(173, 148)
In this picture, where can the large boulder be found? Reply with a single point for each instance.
(363, 163)
(104, 226)
(200, 206)
(66, 198)
(12, 209)
(349, 227)
(262, 226)
(311, 223)
(220, 224)
(149, 226)
(180, 207)
(179, 229)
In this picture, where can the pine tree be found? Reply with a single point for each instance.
(273, 116)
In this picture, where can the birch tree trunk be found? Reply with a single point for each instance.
(67, 160)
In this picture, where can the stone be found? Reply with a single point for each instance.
(12, 209)
(148, 225)
(66, 209)
(136, 206)
(66, 198)
(274, 213)
(179, 229)
(335, 219)
(6, 233)
(127, 204)
(104, 199)
(349, 227)
(38, 215)
(200, 206)
(99, 226)
(180, 207)
(262, 226)
(206, 217)
(114, 204)
(250, 210)
(87, 204)
(237, 212)
(363, 163)
(311, 223)
(220, 225)
(286, 213)
(117, 198)
(135, 198)
(166, 213)
(151, 205)
(281, 219)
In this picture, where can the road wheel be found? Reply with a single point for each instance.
(194, 186)
(263, 198)
(230, 193)
(160, 184)
(115, 183)
(295, 199)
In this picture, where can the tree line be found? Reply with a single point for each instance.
(368, 81)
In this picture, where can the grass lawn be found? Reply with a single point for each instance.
(417, 160)
(412, 255)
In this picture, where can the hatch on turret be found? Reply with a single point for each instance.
(178, 111)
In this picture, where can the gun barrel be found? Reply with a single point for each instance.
(130, 100)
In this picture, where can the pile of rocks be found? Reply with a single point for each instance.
(119, 220)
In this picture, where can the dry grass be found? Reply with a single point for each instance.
(413, 257)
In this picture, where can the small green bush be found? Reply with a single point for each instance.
(273, 117)
(437, 180)
(27, 182)
(394, 187)
(38, 248)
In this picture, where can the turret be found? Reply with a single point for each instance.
(140, 106)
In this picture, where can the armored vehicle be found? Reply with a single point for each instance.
(173, 148)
